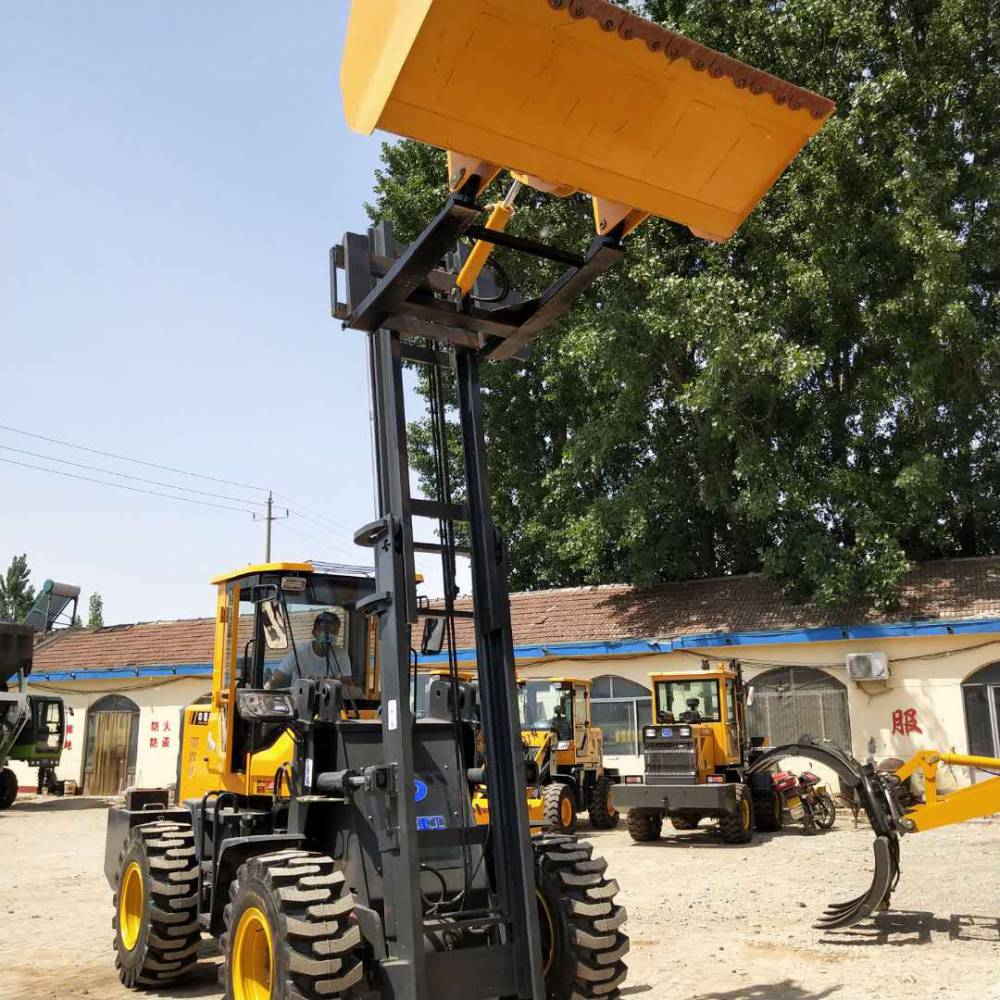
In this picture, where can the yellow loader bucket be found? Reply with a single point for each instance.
(582, 95)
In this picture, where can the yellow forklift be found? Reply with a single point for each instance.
(696, 753)
(564, 752)
(337, 855)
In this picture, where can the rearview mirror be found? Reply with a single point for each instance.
(433, 637)
(275, 635)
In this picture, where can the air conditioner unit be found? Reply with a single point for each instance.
(868, 666)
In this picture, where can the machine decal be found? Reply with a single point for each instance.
(431, 823)
(419, 790)
(199, 719)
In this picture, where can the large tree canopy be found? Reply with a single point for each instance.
(820, 396)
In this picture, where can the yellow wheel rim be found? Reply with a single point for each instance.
(566, 811)
(548, 934)
(253, 957)
(746, 813)
(130, 900)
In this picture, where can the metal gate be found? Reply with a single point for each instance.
(112, 746)
(792, 701)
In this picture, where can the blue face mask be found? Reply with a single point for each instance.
(323, 640)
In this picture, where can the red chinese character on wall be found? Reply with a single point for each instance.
(166, 727)
(68, 745)
(905, 723)
(166, 741)
(154, 743)
(69, 730)
(154, 726)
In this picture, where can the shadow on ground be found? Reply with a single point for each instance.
(907, 927)
(788, 989)
(60, 804)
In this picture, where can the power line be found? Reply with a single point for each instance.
(136, 461)
(124, 475)
(319, 541)
(122, 486)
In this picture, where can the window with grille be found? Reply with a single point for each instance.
(790, 702)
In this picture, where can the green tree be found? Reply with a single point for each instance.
(16, 593)
(819, 398)
(95, 612)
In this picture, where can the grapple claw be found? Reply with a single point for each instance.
(840, 915)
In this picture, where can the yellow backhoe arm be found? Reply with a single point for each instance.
(945, 808)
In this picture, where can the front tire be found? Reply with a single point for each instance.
(738, 827)
(8, 788)
(290, 933)
(156, 906)
(603, 814)
(580, 921)
(645, 825)
(559, 808)
(768, 811)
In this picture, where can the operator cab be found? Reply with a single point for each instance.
(281, 622)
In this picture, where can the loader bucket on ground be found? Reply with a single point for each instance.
(583, 96)
(864, 782)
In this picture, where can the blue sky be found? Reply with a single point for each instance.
(172, 176)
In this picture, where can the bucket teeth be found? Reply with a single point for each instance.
(846, 914)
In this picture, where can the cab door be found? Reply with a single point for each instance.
(587, 743)
(734, 749)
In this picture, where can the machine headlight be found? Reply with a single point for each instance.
(265, 706)
(684, 731)
(650, 733)
(564, 744)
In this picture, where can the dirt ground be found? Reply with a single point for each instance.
(707, 921)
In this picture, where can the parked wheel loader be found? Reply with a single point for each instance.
(696, 755)
(565, 756)
(337, 855)
(32, 726)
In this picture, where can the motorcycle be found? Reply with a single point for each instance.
(804, 799)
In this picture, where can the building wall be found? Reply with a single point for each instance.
(160, 702)
(926, 677)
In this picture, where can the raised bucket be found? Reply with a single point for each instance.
(581, 94)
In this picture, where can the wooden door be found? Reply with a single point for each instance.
(112, 732)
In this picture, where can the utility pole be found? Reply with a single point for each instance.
(267, 519)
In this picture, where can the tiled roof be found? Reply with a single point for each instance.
(949, 589)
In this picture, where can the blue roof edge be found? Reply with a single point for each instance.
(647, 647)
(598, 648)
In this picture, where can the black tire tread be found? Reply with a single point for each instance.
(644, 825)
(593, 919)
(8, 788)
(170, 951)
(731, 825)
(320, 941)
(552, 796)
(602, 815)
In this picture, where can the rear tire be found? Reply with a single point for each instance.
(645, 825)
(603, 814)
(289, 930)
(738, 827)
(768, 811)
(825, 812)
(685, 822)
(559, 808)
(580, 921)
(8, 788)
(156, 906)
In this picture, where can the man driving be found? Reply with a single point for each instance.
(692, 714)
(315, 658)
